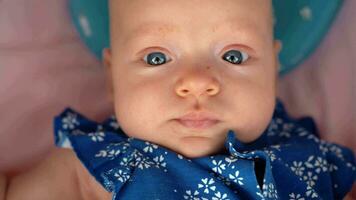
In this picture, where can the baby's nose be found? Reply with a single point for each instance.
(197, 84)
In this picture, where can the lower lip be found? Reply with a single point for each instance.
(198, 124)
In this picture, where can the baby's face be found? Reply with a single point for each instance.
(183, 73)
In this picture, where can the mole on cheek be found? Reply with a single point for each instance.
(207, 67)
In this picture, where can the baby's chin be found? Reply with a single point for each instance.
(196, 147)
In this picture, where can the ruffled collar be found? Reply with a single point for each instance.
(285, 148)
(112, 157)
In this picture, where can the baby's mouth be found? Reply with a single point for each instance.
(197, 124)
(197, 120)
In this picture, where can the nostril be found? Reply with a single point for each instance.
(212, 90)
(185, 91)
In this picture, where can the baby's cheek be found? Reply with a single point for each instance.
(135, 116)
(253, 120)
(257, 127)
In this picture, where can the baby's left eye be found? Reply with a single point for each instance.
(156, 58)
(235, 57)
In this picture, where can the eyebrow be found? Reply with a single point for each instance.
(246, 30)
(152, 28)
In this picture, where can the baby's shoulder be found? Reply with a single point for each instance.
(59, 176)
(89, 188)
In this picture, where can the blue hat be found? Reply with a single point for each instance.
(299, 25)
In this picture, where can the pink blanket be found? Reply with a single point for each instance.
(44, 68)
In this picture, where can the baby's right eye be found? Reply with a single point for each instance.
(156, 58)
(235, 57)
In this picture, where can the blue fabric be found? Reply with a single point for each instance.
(287, 161)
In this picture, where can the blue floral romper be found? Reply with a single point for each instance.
(288, 161)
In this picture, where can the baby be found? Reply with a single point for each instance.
(193, 84)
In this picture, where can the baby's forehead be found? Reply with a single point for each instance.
(163, 29)
(144, 17)
(254, 7)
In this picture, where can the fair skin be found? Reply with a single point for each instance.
(196, 79)
(148, 99)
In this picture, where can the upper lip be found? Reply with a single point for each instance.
(198, 116)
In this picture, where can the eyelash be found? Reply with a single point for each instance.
(242, 53)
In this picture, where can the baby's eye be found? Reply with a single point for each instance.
(235, 56)
(156, 58)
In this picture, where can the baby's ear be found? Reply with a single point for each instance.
(108, 71)
(277, 50)
(277, 46)
(106, 55)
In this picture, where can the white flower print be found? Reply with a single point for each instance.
(232, 149)
(207, 185)
(313, 137)
(271, 155)
(230, 159)
(297, 168)
(302, 132)
(310, 178)
(279, 121)
(64, 141)
(260, 195)
(69, 121)
(122, 176)
(111, 153)
(311, 192)
(219, 196)
(258, 186)
(115, 125)
(337, 151)
(276, 147)
(286, 130)
(143, 163)
(191, 195)
(159, 161)
(97, 136)
(235, 178)
(308, 162)
(284, 134)
(269, 191)
(321, 165)
(353, 167)
(218, 166)
(332, 167)
(293, 196)
(149, 147)
(323, 148)
(124, 145)
(271, 131)
(124, 162)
